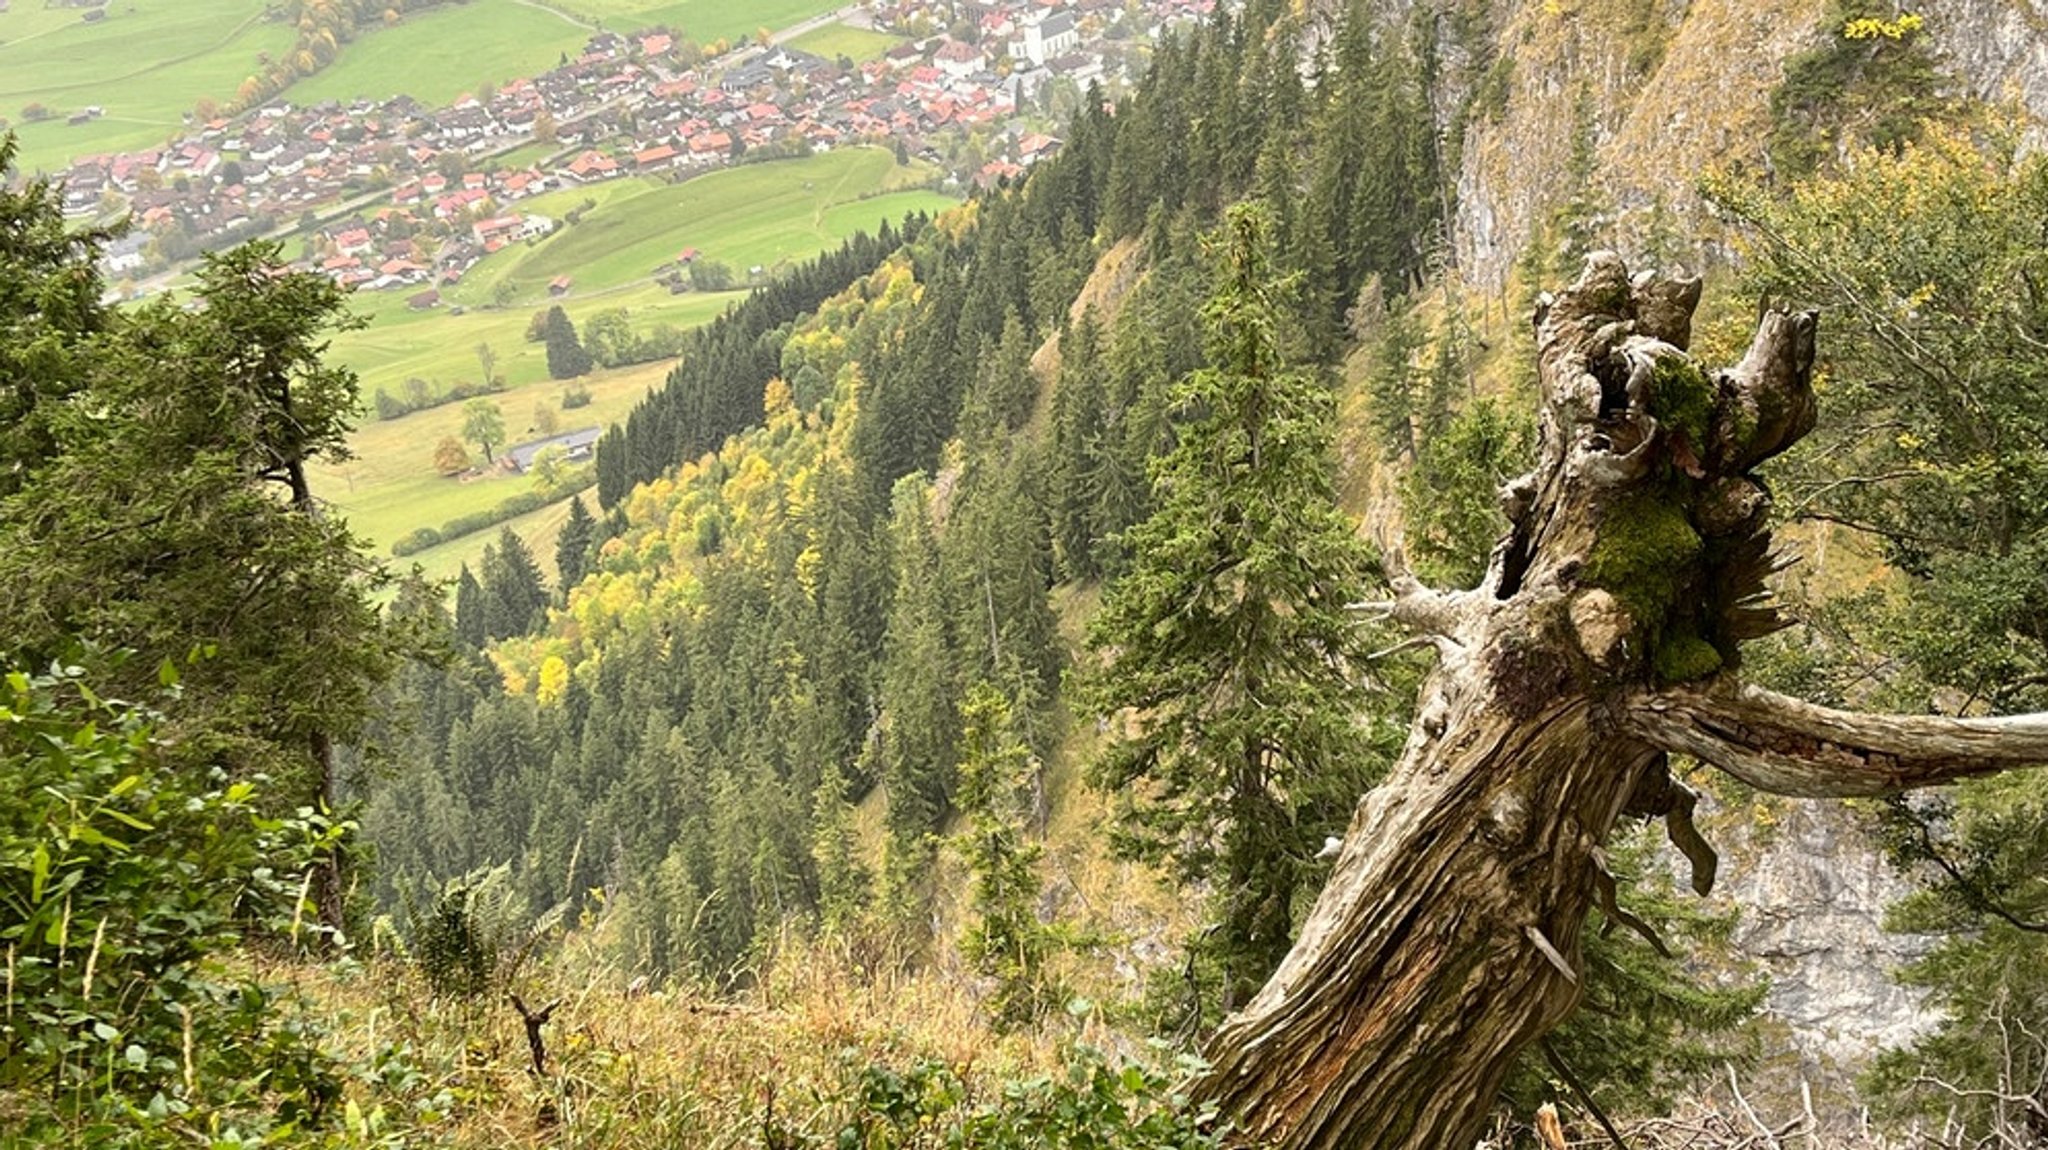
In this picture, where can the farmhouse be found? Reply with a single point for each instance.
(576, 446)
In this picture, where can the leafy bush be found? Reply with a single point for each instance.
(1122, 1106)
(419, 397)
(511, 507)
(415, 541)
(123, 884)
(575, 396)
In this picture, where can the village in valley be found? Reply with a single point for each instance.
(396, 195)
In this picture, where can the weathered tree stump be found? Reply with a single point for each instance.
(1605, 635)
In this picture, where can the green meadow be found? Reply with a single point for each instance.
(438, 54)
(147, 63)
(836, 40)
(755, 215)
(150, 61)
(538, 529)
(701, 20)
(391, 487)
(441, 348)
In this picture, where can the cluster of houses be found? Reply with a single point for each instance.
(395, 194)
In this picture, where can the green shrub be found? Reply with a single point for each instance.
(1094, 1103)
(471, 930)
(415, 541)
(123, 884)
(511, 507)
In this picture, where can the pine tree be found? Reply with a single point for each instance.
(572, 547)
(515, 599)
(1229, 652)
(920, 729)
(1077, 442)
(1006, 942)
(470, 629)
(566, 357)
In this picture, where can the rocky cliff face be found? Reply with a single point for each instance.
(1812, 891)
(1667, 90)
(1997, 51)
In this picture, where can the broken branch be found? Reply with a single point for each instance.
(1791, 747)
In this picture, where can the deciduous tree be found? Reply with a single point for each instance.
(483, 423)
(449, 457)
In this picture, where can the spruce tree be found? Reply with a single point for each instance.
(566, 357)
(1077, 441)
(469, 610)
(1006, 942)
(514, 598)
(572, 546)
(1228, 651)
(920, 727)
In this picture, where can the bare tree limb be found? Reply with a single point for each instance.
(1791, 747)
(1585, 1096)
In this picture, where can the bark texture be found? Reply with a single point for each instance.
(1604, 635)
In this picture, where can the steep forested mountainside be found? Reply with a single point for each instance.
(832, 612)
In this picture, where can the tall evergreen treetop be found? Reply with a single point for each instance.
(566, 357)
(572, 547)
(1227, 642)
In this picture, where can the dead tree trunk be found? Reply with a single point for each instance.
(1605, 634)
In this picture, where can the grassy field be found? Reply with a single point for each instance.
(441, 348)
(836, 40)
(439, 54)
(147, 63)
(700, 20)
(391, 488)
(539, 530)
(754, 215)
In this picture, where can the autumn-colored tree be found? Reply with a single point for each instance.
(449, 457)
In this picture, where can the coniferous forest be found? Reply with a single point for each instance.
(964, 683)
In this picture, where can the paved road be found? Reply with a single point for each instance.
(813, 24)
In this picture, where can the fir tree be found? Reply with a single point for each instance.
(470, 629)
(1077, 440)
(1006, 942)
(566, 357)
(572, 547)
(515, 599)
(921, 729)
(1228, 648)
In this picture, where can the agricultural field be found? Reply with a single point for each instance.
(146, 64)
(749, 216)
(760, 214)
(835, 40)
(400, 344)
(390, 487)
(700, 20)
(441, 53)
(539, 530)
